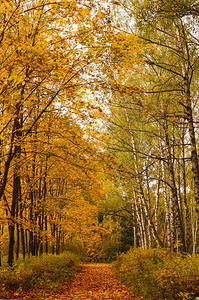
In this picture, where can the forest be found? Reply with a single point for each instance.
(99, 131)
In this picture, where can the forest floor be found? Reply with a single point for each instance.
(95, 282)
(91, 282)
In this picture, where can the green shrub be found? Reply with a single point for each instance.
(41, 271)
(159, 274)
(77, 248)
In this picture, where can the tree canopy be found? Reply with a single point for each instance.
(98, 131)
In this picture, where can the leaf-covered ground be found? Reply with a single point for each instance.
(91, 282)
(95, 282)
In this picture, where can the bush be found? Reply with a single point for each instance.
(38, 272)
(159, 274)
(77, 248)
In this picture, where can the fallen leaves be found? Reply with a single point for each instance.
(95, 282)
(91, 282)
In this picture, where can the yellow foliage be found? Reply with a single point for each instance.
(52, 157)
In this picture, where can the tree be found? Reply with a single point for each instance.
(40, 63)
(162, 121)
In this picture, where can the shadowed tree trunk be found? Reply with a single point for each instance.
(16, 194)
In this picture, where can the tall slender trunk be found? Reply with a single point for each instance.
(141, 191)
(46, 229)
(175, 209)
(187, 72)
(141, 231)
(1, 233)
(187, 217)
(16, 194)
(168, 220)
(134, 226)
(194, 155)
(22, 230)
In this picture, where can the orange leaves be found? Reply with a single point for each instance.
(124, 54)
(97, 281)
(55, 60)
(72, 172)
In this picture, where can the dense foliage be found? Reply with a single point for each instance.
(98, 138)
(37, 273)
(153, 132)
(159, 274)
(54, 74)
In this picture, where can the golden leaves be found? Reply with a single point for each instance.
(55, 57)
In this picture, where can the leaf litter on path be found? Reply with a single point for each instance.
(95, 282)
(91, 282)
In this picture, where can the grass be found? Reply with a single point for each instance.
(159, 274)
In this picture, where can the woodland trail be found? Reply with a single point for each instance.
(95, 282)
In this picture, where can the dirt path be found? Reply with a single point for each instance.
(95, 282)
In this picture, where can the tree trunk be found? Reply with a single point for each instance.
(174, 195)
(16, 194)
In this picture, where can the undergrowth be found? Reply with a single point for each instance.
(159, 274)
(44, 271)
